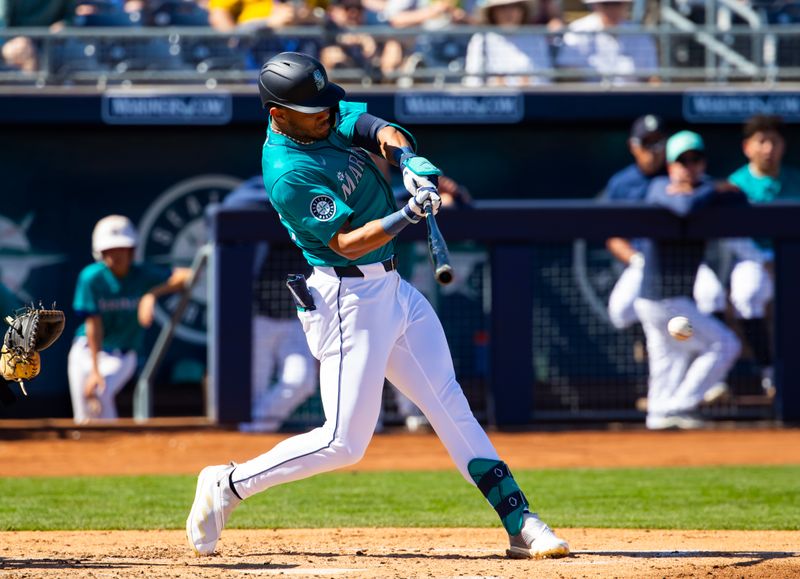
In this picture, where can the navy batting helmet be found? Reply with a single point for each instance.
(299, 82)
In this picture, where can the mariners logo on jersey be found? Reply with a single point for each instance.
(351, 176)
(323, 207)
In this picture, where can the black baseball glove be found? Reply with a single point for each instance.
(31, 331)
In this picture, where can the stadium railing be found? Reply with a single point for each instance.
(526, 324)
(687, 52)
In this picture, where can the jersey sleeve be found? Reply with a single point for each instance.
(85, 302)
(308, 205)
(348, 116)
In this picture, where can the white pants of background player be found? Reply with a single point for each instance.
(682, 372)
(362, 330)
(280, 350)
(708, 292)
(117, 369)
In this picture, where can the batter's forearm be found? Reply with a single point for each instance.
(392, 141)
(356, 243)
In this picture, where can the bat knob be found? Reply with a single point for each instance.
(444, 275)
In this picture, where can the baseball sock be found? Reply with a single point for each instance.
(495, 481)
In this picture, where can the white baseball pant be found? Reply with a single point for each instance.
(116, 368)
(362, 330)
(751, 289)
(708, 293)
(682, 372)
(280, 349)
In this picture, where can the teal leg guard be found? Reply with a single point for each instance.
(501, 490)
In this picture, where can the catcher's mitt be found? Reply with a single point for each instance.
(19, 368)
(31, 331)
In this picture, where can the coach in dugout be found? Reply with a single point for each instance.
(116, 298)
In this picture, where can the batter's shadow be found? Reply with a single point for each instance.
(757, 557)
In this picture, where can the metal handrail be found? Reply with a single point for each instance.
(142, 394)
(760, 67)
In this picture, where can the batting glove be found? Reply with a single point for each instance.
(418, 173)
(425, 195)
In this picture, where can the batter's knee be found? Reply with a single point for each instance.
(347, 454)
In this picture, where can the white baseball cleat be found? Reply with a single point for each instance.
(536, 541)
(675, 421)
(213, 503)
(717, 393)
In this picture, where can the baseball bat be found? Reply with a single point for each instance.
(440, 257)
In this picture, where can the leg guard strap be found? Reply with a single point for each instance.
(495, 481)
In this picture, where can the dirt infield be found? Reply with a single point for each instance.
(396, 552)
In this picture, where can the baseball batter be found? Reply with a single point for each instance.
(361, 319)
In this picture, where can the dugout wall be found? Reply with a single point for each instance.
(73, 155)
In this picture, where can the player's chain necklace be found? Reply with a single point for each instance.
(298, 141)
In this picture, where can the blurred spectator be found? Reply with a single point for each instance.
(262, 16)
(409, 52)
(21, 52)
(763, 179)
(175, 12)
(284, 373)
(505, 57)
(349, 49)
(646, 144)
(681, 373)
(225, 15)
(116, 299)
(428, 14)
(591, 45)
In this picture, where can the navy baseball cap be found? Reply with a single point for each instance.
(647, 125)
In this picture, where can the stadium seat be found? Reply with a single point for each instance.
(106, 13)
(176, 13)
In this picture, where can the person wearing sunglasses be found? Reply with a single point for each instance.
(681, 373)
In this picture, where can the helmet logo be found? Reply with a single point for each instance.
(323, 207)
(319, 80)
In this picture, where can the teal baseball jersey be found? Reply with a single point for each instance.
(116, 301)
(765, 189)
(316, 188)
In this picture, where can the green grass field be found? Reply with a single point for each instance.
(664, 498)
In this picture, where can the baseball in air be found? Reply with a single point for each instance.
(680, 328)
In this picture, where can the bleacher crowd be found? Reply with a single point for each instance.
(474, 42)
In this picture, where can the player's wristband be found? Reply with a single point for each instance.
(397, 221)
(401, 154)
